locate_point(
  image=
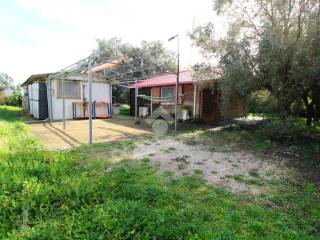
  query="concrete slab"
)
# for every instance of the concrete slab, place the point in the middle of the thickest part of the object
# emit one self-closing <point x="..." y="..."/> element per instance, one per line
<point x="53" y="137"/>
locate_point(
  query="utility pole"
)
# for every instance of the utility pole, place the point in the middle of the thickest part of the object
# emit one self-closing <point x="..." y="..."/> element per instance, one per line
<point x="142" y="72"/>
<point x="136" y="101"/>
<point x="177" y="86"/>
<point x="177" y="82"/>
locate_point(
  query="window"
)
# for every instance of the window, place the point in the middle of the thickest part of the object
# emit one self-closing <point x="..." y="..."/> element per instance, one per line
<point x="71" y="89"/>
<point x="167" y="93"/>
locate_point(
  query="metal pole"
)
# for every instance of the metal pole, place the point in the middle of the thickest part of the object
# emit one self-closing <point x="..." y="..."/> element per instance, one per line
<point x="194" y="100"/>
<point x="110" y="100"/>
<point x="48" y="98"/>
<point x="90" y="99"/>
<point x="63" y="104"/>
<point x="51" y="93"/>
<point x="136" y="101"/>
<point x="177" y="87"/>
<point x="151" y="101"/>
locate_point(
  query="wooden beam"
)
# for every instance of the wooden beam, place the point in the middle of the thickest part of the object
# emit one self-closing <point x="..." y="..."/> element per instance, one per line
<point x="106" y="66"/>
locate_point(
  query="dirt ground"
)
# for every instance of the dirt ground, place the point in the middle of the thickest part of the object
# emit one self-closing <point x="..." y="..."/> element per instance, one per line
<point x="237" y="170"/>
<point x="221" y="164"/>
<point x="53" y="137"/>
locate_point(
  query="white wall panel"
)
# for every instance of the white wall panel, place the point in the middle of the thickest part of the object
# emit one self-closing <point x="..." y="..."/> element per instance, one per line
<point x="30" y="93"/>
<point x="100" y="93"/>
<point x="35" y="91"/>
<point x="35" y="109"/>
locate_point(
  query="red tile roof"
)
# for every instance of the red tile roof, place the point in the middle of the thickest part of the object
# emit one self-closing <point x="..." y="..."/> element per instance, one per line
<point x="165" y="80"/>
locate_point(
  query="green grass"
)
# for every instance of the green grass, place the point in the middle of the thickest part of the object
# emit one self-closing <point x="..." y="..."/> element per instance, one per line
<point x="254" y="173"/>
<point x="72" y="195"/>
<point x="241" y="179"/>
<point x="9" y="113"/>
<point x="124" y="111"/>
<point x="198" y="171"/>
<point x="293" y="136"/>
<point x="181" y="166"/>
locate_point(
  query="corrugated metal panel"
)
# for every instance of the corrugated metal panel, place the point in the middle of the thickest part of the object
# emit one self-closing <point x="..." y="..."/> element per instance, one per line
<point x="30" y="98"/>
<point x="35" y="109"/>
<point x="165" y="80"/>
<point x="35" y="91"/>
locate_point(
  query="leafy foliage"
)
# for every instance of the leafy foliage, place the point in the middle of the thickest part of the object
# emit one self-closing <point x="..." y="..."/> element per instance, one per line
<point x="271" y="45"/>
<point x="150" y="56"/>
<point x="262" y="102"/>
<point x="15" y="99"/>
<point x="5" y="81"/>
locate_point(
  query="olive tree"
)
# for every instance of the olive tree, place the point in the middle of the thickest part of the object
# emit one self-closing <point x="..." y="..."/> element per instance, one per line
<point x="271" y="45"/>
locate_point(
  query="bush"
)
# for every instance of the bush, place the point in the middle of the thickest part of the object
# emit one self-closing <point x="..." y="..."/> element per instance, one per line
<point x="14" y="100"/>
<point x="2" y="98"/>
<point x="298" y="108"/>
<point x="124" y="111"/>
<point x="262" y="102"/>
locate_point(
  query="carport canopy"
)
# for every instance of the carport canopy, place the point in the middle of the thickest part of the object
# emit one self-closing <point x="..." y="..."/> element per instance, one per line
<point x="113" y="70"/>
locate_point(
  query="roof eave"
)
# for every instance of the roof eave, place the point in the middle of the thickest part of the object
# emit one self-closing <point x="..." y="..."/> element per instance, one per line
<point x="35" y="77"/>
<point x="161" y="85"/>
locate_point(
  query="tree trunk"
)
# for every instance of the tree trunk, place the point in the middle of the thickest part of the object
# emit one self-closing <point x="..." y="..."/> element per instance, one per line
<point x="316" y="98"/>
<point x="284" y="106"/>
<point x="309" y="110"/>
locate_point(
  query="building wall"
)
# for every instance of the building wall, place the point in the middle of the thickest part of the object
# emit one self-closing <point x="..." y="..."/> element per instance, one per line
<point x="210" y="107"/>
<point x="141" y="101"/>
<point x="25" y="98"/>
<point x="186" y="96"/>
<point x="236" y="108"/>
<point x="35" y="100"/>
<point x="207" y="103"/>
<point x="101" y="92"/>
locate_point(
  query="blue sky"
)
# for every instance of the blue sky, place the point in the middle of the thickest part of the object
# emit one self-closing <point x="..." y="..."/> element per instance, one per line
<point x="45" y="35"/>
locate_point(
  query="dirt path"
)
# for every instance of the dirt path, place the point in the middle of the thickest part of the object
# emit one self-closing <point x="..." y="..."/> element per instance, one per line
<point x="239" y="171"/>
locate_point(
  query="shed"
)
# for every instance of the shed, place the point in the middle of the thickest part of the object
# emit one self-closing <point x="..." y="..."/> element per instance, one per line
<point x="34" y="97"/>
<point x="45" y="97"/>
<point x="202" y="105"/>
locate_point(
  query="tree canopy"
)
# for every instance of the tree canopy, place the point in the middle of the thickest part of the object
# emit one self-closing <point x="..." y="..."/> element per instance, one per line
<point x="5" y="81"/>
<point x="152" y="56"/>
<point x="272" y="45"/>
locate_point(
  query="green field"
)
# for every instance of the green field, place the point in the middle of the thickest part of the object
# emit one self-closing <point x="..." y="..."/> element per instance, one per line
<point x="84" y="194"/>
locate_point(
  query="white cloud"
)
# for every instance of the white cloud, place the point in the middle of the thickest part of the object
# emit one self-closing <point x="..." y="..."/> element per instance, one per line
<point x="84" y="21"/>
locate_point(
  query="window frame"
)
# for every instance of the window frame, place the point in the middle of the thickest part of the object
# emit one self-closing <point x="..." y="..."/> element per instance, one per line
<point x="59" y="92"/>
<point x="173" y="96"/>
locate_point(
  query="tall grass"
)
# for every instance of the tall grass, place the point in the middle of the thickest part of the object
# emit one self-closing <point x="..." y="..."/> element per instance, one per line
<point x="72" y="195"/>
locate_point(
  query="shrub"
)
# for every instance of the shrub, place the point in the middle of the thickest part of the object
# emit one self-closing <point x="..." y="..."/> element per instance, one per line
<point x="261" y="102"/>
<point x="14" y="100"/>
<point x="124" y="111"/>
